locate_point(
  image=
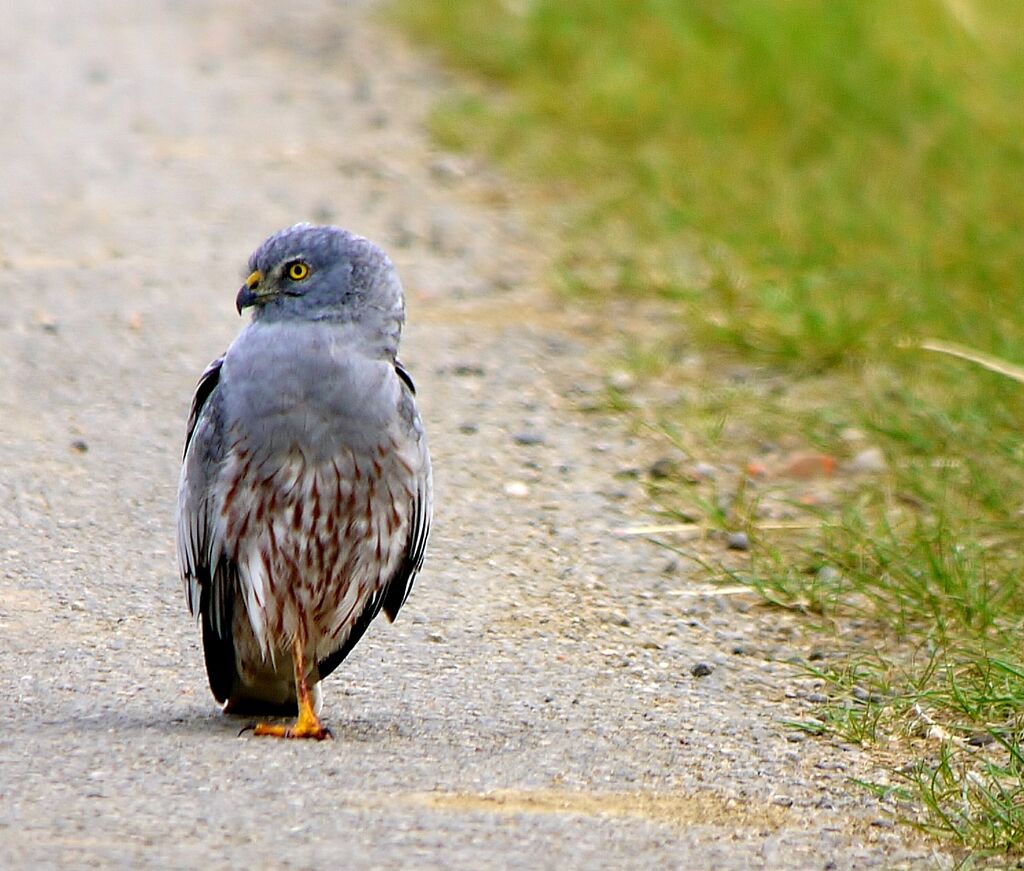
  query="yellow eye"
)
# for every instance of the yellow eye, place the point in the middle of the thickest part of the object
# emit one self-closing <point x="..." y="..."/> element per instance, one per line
<point x="298" y="270"/>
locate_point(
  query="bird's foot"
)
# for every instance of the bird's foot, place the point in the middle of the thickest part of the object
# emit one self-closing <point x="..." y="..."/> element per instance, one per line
<point x="308" y="724"/>
<point x="299" y="729"/>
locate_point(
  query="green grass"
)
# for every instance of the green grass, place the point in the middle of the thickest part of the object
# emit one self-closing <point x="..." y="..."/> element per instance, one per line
<point x="860" y="157"/>
<point x="806" y="184"/>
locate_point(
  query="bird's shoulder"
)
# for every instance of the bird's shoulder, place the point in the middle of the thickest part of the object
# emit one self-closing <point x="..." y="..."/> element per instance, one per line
<point x="204" y="390"/>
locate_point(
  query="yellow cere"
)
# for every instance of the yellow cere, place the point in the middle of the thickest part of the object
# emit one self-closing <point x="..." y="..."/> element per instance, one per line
<point x="254" y="279"/>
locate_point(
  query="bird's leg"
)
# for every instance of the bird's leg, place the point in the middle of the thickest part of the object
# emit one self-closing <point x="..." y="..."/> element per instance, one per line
<point x="307" y="725"/>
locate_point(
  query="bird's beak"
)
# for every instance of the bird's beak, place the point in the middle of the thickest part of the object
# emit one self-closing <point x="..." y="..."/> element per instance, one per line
<point x="248" y="295"/>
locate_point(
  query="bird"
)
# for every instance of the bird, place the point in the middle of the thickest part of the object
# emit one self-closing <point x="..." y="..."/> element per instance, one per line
<point x="306" y="493"/>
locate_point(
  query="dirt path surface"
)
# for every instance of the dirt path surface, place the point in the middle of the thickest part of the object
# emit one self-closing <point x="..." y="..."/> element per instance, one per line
<point x="534" y="705"/>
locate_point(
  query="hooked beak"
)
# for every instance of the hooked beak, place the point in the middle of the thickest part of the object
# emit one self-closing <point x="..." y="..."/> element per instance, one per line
<point x="248" y="295"/>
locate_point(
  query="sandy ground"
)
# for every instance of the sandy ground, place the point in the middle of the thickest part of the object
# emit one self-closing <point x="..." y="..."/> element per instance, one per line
<point x="534" y="705"/>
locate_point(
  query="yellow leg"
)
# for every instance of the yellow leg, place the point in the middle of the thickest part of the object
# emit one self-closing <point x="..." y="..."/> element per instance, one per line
<point x="307" y="725"/>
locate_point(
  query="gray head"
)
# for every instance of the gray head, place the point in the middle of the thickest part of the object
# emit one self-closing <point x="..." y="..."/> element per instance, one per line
<point x="323" y="273"/>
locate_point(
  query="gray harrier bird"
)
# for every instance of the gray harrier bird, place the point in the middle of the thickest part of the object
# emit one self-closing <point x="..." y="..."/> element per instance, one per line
<point x="305" y="497"/>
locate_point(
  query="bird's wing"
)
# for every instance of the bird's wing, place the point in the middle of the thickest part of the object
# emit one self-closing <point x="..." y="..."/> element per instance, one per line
<point x="393" y="593"/>
<point x="403" y="373"/>
<point x="210" y="577"/>
<point x="208" y="382"/>
<point x="396" y="591"/>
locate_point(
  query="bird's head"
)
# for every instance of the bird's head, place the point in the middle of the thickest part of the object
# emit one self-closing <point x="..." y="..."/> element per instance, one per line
<point x="323" y="273"/>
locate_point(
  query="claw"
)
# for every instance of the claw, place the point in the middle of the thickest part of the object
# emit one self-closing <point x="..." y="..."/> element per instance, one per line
<point x="250" y="728"/>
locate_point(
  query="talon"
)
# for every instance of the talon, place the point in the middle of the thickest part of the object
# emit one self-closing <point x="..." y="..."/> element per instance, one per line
<point x="250" y="728"/>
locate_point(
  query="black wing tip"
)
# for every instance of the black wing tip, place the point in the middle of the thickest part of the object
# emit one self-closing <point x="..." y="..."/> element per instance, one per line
<point x="218" y="646"/>
<point x="403" y="373"/>
<point x="399" y="587"/>
<point x="219" y="654"/>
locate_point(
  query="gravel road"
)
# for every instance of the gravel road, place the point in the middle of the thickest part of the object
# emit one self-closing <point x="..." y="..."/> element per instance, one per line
<point x="536" y="703"/>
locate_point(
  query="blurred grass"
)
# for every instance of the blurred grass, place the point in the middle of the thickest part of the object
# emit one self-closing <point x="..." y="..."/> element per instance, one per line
<point x="806" y="184"/>
<point x="860" y="157"/>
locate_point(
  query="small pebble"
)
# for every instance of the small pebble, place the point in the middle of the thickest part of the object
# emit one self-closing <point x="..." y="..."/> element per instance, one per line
<point x="805" y="466"/>
<point x="621" y="380"/>
<point x="663" y="467"/>
<point x="517" y="489"/>
<point x="738" y="541"/>
<point x="703" y="472"/>
<point x="817" y="698"/>
<point x="469" y="429"/>
<point x="869" y="462"/>
<point x="981" y="739"/>
<point x="449" y="169"/>
<point x="80" y="445"/>
<point x="782" y="800"/>
<point x="756" y="469"/>
<point x="702" y="669"/>
<point x="828" y="575"/>
<point x="529" y="438"/>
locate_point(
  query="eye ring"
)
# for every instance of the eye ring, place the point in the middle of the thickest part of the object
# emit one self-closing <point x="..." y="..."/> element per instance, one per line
<point x="297" y="271"/>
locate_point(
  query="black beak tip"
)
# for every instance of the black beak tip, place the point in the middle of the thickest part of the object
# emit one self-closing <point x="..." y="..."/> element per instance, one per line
<point x="244" y="299"/>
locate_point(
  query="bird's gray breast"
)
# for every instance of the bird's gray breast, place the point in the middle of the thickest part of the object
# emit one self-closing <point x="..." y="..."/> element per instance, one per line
<point x="308" y="388"/>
